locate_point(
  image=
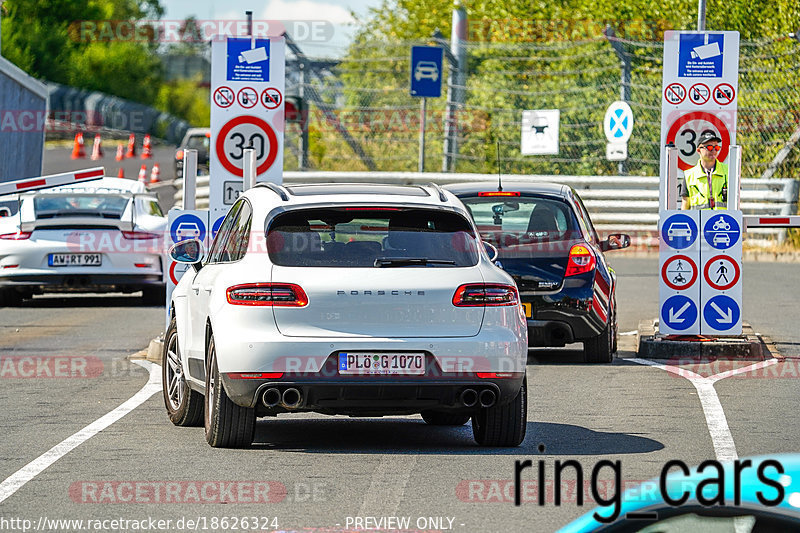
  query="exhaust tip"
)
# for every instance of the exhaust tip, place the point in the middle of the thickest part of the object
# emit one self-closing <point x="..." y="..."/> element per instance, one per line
<point x="271" y="397"/>
<point x="487" y="398"/>
<point x="292" y="398"/>
<point x="469" y="397"/>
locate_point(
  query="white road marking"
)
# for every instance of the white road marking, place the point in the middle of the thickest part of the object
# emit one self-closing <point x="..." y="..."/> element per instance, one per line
<point x="721" y="437"/>
<point x="16" y="480"/>
<point x="388" y="485"/>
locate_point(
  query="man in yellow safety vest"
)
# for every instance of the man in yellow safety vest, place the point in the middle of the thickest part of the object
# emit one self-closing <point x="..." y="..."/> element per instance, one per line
<point x="705" y="185"/>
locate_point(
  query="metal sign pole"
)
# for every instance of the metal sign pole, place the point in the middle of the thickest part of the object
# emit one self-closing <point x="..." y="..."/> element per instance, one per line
<point x="668" y="191"/>
<point x="422" y="118"/>
<point x="189" y="179"/>
<point x="249" y="169"/>
<point x="734" y="177"/>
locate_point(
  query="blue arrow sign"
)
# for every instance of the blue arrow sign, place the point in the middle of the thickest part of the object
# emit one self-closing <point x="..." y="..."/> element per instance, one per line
<point x="215" y="226"/>
<point x="187" y="226"/>
<point x="679" y="312"/>
<point x="679" y="231"/>
<point x="721" y="312"/>
<point x="426" y="71"/>
<point x="721" y="231"/>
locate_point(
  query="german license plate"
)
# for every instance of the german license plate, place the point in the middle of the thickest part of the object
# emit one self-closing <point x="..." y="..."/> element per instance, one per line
<point x="528" y="307"/>
<point x="386" y="364"/>
<point x="60" y="260"/>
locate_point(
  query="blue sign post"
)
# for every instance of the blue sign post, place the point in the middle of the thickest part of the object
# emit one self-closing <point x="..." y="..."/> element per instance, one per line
<point x="426" y="71"/>
<point x="426" y="82"/>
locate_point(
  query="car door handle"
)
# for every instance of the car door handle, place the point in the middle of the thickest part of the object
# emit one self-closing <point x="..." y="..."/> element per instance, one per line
<point x="196" y="289"/>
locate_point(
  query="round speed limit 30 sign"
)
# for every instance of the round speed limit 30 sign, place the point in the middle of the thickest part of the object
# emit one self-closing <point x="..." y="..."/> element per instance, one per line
<point x="687" y="129"/>
<point x="240" y="133"/>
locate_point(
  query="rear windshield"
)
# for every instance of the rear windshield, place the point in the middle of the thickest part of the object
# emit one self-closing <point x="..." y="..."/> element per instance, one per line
<point x="508" y="221"/>
<point x="79" y="205"/>
<point x="371" y="237"/>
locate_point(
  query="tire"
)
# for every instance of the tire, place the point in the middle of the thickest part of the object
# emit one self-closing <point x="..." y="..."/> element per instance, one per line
<point x="184" y="405"/>
<point x="435" y="418"/>
<point x="503" y="425"/>
<point x="600" y="349"/>
<point x="155" y="295"/>
<point x="227" y="425"/>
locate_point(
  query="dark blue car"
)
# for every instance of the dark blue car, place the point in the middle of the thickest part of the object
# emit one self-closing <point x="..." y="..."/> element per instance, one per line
<point x="547" y="242"/>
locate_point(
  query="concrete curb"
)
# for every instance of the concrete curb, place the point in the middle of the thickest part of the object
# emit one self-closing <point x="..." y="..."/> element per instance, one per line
<point x="749" y="345"/>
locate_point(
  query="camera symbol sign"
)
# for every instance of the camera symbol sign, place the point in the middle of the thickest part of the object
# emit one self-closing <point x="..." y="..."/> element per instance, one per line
<point x="271" y="98"/>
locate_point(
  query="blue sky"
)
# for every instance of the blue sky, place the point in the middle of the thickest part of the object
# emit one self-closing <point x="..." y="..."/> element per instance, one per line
<point x="336" y="12"/>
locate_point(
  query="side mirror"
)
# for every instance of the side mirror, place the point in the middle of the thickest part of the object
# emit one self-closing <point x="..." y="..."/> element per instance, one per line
<point x="188" y="252"/>
<point x="615" y="241"/>
<point x="491" y="250"/>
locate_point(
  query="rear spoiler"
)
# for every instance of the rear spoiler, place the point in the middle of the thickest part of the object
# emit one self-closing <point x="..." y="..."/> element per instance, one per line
<point x="77" y="223"/>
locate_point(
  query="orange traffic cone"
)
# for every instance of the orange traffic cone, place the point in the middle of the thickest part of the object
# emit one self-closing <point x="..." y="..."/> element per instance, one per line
<point x="77" y="147"/>
<point x="97" y="149"/>
<point x="131" y="146"/>
<point x="143" y="174"/>
<point x="120" y="153"/>
<point x="154" y="174"/>
<point x="121" y="173"/>
<point x="147" y="152"/>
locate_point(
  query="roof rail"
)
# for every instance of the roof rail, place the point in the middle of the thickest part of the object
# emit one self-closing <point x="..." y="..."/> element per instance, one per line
<point x="442" y="197"/>
<point x="277" y="189"/>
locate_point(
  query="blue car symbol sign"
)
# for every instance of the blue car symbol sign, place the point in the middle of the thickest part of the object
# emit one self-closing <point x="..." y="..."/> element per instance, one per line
<point x="721" y="231"/>
<point x="679" y="231"/>
<point x="187" y="226"/>
<point x="679" y="313"/>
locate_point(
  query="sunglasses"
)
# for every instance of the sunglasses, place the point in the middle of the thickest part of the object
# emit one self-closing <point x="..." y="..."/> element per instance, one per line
<point x="712" y="148"/>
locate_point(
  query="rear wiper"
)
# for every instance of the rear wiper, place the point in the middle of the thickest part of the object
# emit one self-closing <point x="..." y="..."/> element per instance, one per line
<point x="407" y="261"/>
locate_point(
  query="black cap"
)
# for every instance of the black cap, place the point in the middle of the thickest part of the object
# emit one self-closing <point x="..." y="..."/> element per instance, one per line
<point x="707" y="137"/>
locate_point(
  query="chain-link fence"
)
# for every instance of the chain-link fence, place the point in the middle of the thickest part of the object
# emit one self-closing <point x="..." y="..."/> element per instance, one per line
<point x="368" y="106"/>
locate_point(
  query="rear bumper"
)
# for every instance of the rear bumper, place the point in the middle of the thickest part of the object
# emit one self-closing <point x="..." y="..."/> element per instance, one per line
<point x="82" y="282"/>
<point x="371" y="395"/>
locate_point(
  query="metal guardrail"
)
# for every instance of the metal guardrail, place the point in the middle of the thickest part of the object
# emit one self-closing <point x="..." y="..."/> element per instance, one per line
<point x="615" y="203"/>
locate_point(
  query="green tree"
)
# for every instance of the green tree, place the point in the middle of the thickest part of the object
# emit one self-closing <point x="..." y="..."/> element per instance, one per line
<point x="44" y="38"/>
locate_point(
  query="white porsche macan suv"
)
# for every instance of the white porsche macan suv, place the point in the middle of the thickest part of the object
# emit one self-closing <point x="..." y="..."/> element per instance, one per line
<point x="350" y="299"/>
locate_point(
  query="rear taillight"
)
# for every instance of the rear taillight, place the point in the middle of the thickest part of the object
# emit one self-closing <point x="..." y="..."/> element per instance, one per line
<point x="270" y="294"/>
<point x="581" y="260"/>
<point x="254" y="375"/>
<point x="495" y="375"/>
<point x="137" y="235"/>
<point x="18" y="236"/>
<point x="179" y="155"/>
<point x="499" y="193"/>
<point x="485" y="295"/>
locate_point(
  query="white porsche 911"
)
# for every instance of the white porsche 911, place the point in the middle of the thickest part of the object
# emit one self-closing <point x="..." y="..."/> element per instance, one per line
<point x="360" y="300"/>
<point x="101" y="235"/>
